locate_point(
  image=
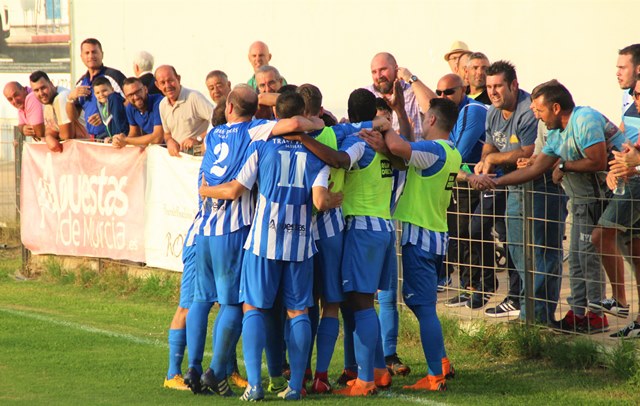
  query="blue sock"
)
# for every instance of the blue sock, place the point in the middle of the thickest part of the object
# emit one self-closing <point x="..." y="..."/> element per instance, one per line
<point x="431" y="337"/>
<point x="349" y="325"/>
<point x="177" y="343"/>
<point x="314" y="318"/>
<point x="299" y="344"/>
<point x="365" y="339"/>
<point x="197" y="332"/>
<point x="230" y="327"/>
<point x="274" y="332"/>
<point x="253" y="342"/>
<point x="232" y="361"/>
<point x="379" y="354"/>
<point x="388" y="320"/>
<point x="326" y="342"/>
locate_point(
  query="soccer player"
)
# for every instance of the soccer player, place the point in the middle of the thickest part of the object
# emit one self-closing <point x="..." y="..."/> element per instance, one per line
<point x="280" y="244"/>
<point x="433" y="166"/>
<point x="328" y="229"/>
<point x="223" y="226"/>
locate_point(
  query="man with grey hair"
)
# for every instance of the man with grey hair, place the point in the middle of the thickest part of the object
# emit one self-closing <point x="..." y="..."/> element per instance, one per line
<point x="218" y="85"/>
<point x="475" y="72"/>
<point x="268" y="79"/>
<point x="142" y="69"/>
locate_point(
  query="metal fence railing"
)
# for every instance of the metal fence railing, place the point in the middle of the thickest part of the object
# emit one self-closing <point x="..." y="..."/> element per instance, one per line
<point x="511" y="243"/>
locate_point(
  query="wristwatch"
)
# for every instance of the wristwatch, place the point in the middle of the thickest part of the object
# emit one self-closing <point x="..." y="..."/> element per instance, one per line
<point x="412" y="79"/>
<point x="561" y="166"/>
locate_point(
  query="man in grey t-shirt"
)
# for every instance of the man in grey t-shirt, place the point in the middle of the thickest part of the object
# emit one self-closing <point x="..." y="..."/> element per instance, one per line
<point x="511" y="130"/>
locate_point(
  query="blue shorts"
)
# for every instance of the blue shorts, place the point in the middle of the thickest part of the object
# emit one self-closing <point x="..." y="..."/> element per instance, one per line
<point x="420" y="272"/>
<point x="188" y="275"/>
<point x="367" y="260"/>
<point x="218" y="267"/>
<point x="326" y="268"/>
<point x="262" y="278"/>
<point x="623" y="211"/>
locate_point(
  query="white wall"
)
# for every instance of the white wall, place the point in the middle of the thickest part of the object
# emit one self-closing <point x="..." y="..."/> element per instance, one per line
<point x="330" y="42"/>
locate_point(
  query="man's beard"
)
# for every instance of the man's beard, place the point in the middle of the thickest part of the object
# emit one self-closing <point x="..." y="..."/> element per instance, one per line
<point x="383" y="87"/>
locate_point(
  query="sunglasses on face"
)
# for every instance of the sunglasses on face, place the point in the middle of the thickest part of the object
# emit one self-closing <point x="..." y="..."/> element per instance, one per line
<point x="446" y="92"/>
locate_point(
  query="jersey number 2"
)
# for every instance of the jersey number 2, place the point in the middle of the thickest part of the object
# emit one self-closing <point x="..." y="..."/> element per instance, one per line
<point x="222" y="150"/>
<point x="298" y="175"/>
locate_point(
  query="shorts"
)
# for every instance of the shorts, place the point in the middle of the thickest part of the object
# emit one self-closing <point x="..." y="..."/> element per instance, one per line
<point x="262" y="278"/>
<point x="367" y="260"/>
<point x="623" y="211"/>
<point x="188" y="275"/>
<point x="326" y="268"/>
<point x="420" y="273"/>
<point x="218" y="267"/>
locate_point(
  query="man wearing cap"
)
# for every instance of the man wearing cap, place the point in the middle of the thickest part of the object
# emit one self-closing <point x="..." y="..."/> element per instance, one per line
<point x="458" y="48"/>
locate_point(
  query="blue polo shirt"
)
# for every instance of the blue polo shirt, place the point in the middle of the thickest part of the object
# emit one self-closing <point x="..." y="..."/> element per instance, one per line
<point x="150" y="118"/>
<point x="89" y="104"/>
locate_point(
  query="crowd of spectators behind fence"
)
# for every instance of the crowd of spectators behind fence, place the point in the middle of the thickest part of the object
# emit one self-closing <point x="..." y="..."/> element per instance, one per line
<point x="506" y="136"/>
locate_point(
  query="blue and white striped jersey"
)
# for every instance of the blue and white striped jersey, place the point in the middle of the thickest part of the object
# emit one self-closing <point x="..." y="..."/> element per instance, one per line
<point x="285" y="172"/>
<point x="331" y="222"/>
<point x="361" y="156"/>
<point x="226" y="146"/>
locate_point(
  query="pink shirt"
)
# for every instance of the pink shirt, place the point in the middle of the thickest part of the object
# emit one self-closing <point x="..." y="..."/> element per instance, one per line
<point x="32" y="112"/>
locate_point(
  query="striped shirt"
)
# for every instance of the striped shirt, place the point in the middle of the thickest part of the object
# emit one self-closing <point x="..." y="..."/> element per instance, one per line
<point x="226" y="146"/>
<point x="285" y="172"/>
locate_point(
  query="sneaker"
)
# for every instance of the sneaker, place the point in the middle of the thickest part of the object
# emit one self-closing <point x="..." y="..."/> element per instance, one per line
<point x="210" y="383"/>
<point x="631" y="331"/>
<point x="458" y="301"/>
<point x="192" y="380"/>
<point x="447" y="369"/>
<point x="596" y="324"/>
<point x="277" y="384"/>
<point x="175" y="383"/>
<point x="252" y="394"/>
<point x="611" y="306"/>
<point x="346" y="376"/>
<point x="395" y="365"/>
<point x="435" y="383"/>
<point x="478" y="300"/>
<point x="382" y="378"/>
<point x="444" y="283"/>
<point x="290" y="394"/>
<point x="359" y="388"/>
<point x="571" y="323"/>
<point x="319" y="386"/>
<point x="506" y="308"/>
<point x="238" y="380"/>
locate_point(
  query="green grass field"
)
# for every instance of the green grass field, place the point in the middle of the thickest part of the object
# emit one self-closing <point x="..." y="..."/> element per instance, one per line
<point x="89" y="339"/>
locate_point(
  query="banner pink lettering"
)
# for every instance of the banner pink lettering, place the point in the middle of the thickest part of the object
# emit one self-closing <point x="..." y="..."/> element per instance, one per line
<point x="86" y="201"/>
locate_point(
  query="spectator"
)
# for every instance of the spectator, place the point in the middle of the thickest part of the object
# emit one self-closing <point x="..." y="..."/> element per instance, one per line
<point x="185" y="113"/>
<point x="58" y="126"/>
<point x="259" y="56"/>
<point x="82" y="97"/>
<point x="458" y="48"/>
<point x="143" y="68"/>
<point x="30" y="117"/>
<point x="218" y="85"/>
<point x="576" y="151"/>
<point x="111" y="109"/>
<point x="476" y="73"/>
<point x="143" y="116"/>
<point x="628" y="65"/>
<point x="384" y="71"/>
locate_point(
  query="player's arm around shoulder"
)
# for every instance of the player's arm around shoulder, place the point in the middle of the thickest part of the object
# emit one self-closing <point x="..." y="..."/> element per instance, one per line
<point x="323" y="199"/>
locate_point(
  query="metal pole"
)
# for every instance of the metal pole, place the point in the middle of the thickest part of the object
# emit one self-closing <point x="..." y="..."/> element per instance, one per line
<point x="527" y="225"/>
<point x="18" y="142"/>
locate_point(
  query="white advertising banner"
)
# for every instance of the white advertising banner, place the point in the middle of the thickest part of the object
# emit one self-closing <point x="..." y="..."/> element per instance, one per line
<point x="170" y="207"/>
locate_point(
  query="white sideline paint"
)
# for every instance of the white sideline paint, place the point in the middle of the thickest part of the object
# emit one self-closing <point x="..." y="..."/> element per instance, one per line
<point x="89" y="329"/>
<point x="412" y="399"/>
